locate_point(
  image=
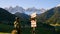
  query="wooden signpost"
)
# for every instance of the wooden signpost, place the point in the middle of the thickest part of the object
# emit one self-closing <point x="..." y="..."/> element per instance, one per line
<point x="33" y="22"/>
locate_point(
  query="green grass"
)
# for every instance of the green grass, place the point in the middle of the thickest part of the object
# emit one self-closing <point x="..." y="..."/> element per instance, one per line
<point x="39" y="30"/>
<point x="5" y="28"/>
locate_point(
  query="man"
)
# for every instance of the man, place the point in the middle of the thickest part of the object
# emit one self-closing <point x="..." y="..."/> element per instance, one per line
<point x="17" y="25"/>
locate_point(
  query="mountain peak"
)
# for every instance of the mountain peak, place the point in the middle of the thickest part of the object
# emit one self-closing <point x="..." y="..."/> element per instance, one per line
<point x="58" y="5"/>
<point x="15" y="9"/>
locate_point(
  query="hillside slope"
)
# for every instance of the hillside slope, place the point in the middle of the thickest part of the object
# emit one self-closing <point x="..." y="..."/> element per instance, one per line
<point x="50" y="16"/>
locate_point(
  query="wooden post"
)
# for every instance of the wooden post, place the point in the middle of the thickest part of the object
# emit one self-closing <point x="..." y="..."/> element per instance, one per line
<point x="33" y="30"/>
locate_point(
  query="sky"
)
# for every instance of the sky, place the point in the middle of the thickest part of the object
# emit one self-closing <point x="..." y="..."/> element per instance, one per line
<point x="46" y="4"/>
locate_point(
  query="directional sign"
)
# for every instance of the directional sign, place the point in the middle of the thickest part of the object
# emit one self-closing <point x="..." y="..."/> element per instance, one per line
<point x="33" y="15"/>
<point x="33" y="20"/>
<point x="33" y="23"/>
